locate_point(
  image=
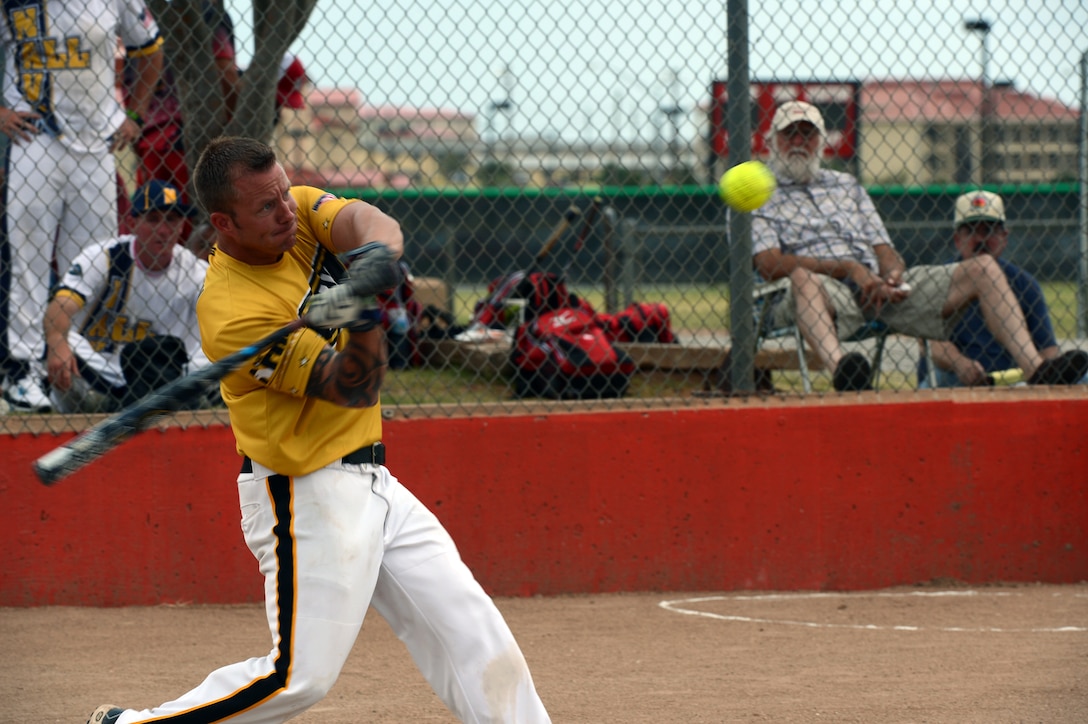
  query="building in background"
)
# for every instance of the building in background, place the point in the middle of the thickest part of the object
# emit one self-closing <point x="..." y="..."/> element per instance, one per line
<point x="908" y="132"/>
<point x="915" y="133"/>
<point x="930" y="132"/>
<point x="338" y="140"/>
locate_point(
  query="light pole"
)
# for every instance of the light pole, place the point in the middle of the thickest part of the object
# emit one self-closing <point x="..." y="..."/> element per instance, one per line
<point x="499" y="105"/>
<point x="494" y="107"/>
<point x="672" y="112"/>
<point x="983" y="27"/>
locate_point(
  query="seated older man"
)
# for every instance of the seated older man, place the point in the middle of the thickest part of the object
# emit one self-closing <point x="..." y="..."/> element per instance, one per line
<point x="821" y="230"/>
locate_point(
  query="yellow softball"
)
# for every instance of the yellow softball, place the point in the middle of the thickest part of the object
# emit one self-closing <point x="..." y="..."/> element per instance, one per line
<point x="747" y="186"/>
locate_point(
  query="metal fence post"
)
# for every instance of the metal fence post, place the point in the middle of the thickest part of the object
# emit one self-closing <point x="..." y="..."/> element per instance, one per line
<point x="1082" y="183"/>
<point x="608" y="219"/>
<point x="627" y="253"/>
<point x="741" y="283"/>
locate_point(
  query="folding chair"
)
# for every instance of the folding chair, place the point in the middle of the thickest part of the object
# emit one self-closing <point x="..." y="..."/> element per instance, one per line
<point x="764" y="297"/>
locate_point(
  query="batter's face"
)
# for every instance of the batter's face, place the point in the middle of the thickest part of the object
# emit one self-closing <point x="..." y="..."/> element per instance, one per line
<point x="262" y="224"/>
<point x="157" y="234"/>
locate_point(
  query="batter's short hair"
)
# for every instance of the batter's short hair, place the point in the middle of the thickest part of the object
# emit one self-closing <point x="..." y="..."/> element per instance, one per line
<point x="220" y="164"/>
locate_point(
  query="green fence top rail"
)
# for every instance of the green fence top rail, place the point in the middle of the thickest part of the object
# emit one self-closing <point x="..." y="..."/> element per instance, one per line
<point x="523" y="193"/>
<point x="692" y="190"/>
<point x="1063" y="187"/>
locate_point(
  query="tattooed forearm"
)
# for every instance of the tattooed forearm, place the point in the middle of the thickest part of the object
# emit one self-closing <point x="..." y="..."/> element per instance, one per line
<point x="353" y="376"/>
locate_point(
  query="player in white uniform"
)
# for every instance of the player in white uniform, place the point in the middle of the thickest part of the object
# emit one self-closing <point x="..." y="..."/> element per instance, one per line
<point x="62" y="113"/>
<point x="332" y="530"/>
<point x="123" y="319"/>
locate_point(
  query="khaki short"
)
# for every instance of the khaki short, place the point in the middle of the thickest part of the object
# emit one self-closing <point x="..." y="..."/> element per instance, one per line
<point x="919" y="315"/>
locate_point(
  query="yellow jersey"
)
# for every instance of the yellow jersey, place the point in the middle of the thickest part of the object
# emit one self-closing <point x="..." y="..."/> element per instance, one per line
<point x="274" y="422"/>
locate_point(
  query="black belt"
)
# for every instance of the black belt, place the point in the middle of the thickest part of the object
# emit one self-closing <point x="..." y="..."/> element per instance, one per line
<point x="369" y="455"/>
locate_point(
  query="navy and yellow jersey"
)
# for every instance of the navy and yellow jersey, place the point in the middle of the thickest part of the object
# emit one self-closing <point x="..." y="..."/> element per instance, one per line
<point x="274" y="422"/>
<point x="60" y="62"/>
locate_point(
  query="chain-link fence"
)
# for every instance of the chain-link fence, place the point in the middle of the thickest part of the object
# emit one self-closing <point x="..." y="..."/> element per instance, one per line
<point x="479" y="126"/>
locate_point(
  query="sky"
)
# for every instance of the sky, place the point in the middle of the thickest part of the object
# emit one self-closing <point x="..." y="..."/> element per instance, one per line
<point x="602" y="69"/>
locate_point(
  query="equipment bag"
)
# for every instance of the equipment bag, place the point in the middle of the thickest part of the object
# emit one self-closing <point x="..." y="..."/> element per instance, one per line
<point x="563" y="354"/>
<point x="640" y="322"/>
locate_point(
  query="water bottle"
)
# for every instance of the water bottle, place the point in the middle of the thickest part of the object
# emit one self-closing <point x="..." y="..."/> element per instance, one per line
<point x="398" y="321"/>
<point x="400" y="344"/>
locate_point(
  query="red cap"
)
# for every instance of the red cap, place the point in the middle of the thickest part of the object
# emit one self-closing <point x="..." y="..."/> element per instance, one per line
<point x="292" y="78"/>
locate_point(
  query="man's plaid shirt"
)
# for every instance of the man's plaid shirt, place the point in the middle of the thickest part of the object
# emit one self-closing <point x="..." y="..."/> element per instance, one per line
<point x="830" y="218"/>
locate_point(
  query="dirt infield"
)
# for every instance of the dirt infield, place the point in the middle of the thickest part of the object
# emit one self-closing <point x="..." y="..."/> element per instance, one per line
<point x="923" y="654"/>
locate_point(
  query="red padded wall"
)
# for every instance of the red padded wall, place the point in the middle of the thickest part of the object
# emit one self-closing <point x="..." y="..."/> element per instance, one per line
<point x="772" y="497"/>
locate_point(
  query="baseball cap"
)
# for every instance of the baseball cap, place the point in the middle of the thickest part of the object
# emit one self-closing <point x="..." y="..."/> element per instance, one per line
<point x="792" y="112"/>
<point x="979" y="206"/>
<point x="158" y="195"/>
<point x="289" y="87"/>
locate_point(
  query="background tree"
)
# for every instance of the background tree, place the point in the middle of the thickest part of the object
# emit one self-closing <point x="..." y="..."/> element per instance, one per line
<point x="187" y="35"/>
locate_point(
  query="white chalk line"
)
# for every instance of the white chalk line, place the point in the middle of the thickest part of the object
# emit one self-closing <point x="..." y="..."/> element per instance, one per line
<point x="677" y="606"/>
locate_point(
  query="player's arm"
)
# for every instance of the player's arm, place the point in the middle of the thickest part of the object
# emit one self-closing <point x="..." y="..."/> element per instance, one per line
<point x="148" y="74"/>
<point x="229" y="82"/>
<point x="60" y="360"/>
<point x="353" y="376"/>
<point x="360" y="223"/>
<point x="148" y="67"/>
<point x="18" y="125"/>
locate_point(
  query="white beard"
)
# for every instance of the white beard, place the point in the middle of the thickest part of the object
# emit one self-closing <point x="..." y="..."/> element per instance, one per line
<point x="797" y="165"/>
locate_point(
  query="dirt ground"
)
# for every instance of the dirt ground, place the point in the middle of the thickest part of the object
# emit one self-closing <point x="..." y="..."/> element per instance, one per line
<point x="926" y="654"/>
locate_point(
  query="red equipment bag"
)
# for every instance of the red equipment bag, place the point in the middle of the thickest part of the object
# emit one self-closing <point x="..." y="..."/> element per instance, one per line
<point x="640" y="322"/>
<point x="560" y="351"/>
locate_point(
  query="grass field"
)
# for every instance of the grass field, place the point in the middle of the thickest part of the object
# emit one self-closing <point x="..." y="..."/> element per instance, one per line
<point x="693" y="309"/>
<point x="706" y="307"/>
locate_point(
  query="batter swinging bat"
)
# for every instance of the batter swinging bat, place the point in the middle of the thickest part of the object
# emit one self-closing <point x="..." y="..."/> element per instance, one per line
<point x="96" y="441"/>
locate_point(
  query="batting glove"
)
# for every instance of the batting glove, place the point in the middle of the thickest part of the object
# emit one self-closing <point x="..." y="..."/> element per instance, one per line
<point x="341" y="307"/>
<point x="372" y="268"/>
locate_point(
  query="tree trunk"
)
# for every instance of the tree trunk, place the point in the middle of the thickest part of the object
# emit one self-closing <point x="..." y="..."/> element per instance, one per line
<point x="187" y="36"/>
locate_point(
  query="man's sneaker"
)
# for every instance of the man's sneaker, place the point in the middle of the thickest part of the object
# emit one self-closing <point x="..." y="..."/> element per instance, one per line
<point x="26" y="395"/>
<point x="853" y="373"/>
<point x="1067" y="369"/>
<point x="106" y="714"/>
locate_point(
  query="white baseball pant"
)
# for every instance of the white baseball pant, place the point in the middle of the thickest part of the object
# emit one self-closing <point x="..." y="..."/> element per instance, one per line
<point x="58" y="200"/>
<point x="329" y="544"/>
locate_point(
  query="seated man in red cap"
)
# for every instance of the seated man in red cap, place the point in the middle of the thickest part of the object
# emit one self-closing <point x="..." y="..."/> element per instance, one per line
<point x="972" y="355"/>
